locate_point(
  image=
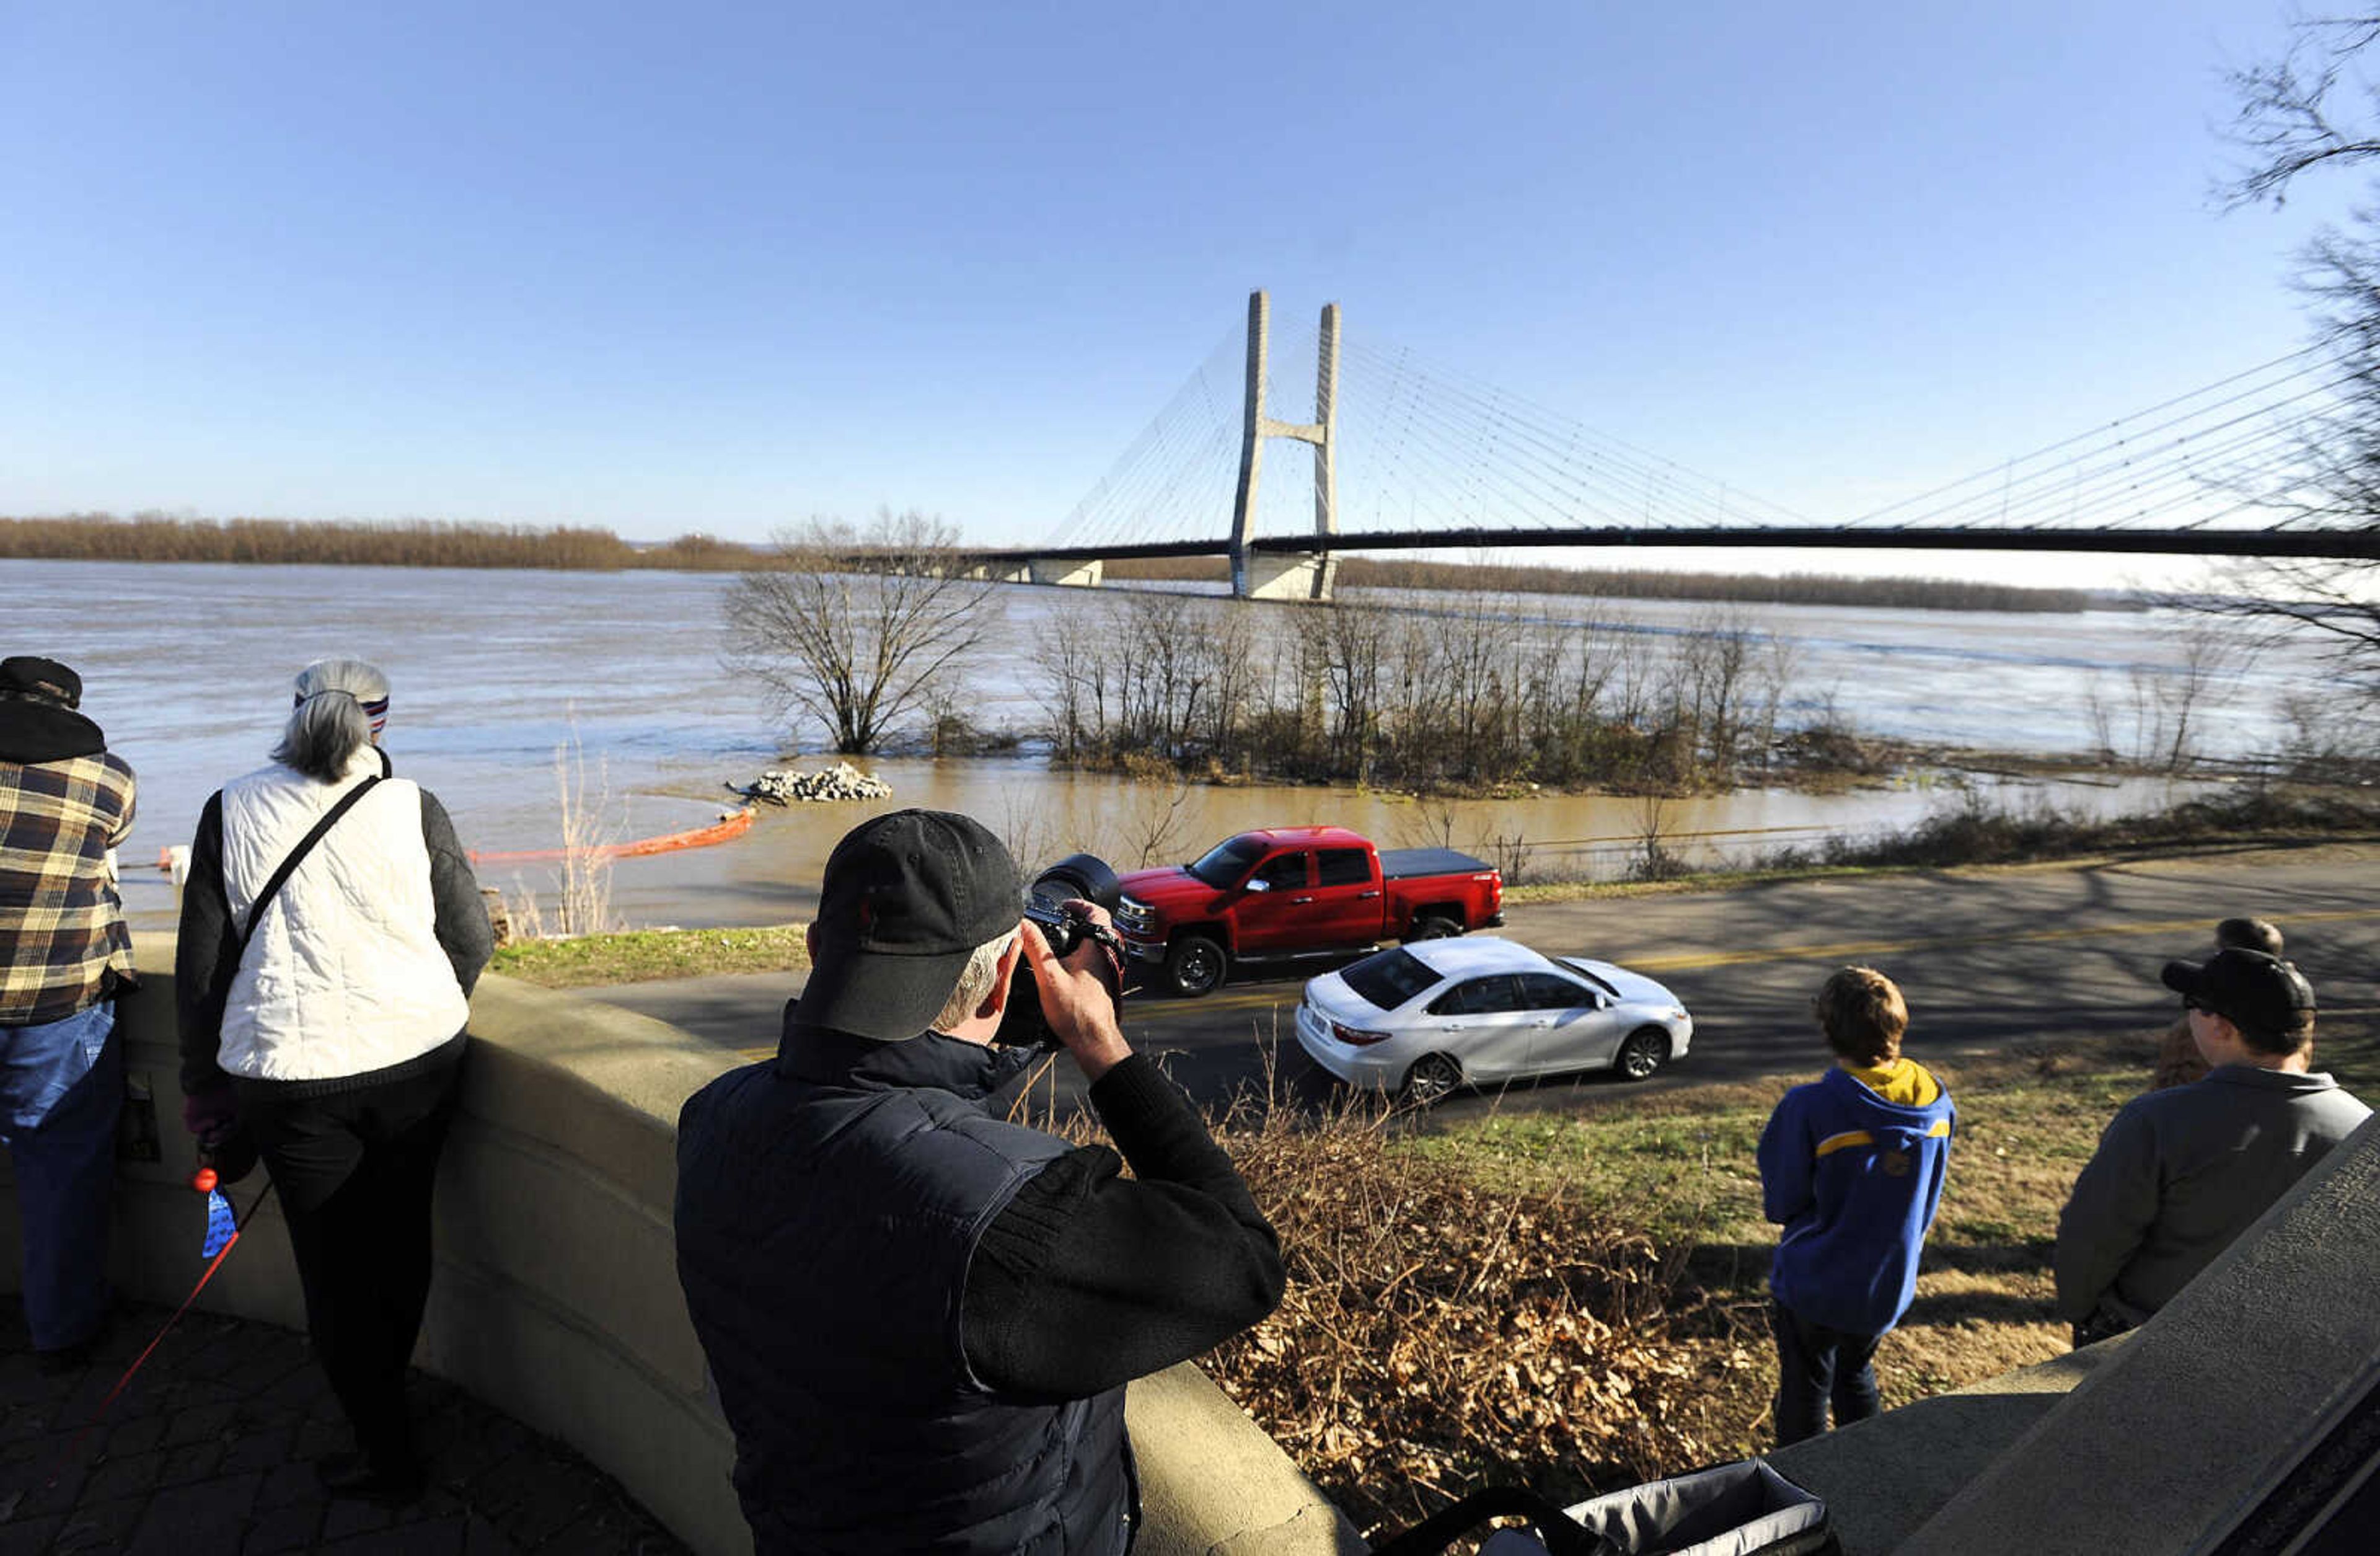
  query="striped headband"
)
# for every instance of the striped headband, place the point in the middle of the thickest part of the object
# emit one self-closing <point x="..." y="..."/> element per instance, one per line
<point x="376" y="710"/>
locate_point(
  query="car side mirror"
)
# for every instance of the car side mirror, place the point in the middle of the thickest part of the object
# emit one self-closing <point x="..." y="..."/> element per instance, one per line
<point x="1257" y="883"/>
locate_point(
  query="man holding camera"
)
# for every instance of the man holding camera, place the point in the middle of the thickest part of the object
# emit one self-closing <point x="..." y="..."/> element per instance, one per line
<point x="921" y="1318"/>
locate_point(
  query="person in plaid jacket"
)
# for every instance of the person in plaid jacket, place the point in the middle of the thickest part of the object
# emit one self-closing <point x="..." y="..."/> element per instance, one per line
<point x="66" y="803"/>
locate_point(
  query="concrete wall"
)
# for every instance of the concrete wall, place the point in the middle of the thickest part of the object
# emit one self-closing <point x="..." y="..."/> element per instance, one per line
<point x="556" y="1297"/>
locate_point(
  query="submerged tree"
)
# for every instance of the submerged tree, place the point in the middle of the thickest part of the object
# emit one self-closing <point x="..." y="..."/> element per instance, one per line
<point x="857" y="629"/>
<point x="2316" y="110"/>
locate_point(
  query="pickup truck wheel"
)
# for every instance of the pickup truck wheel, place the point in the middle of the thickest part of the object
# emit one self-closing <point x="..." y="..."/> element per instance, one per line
<point x="1434" y="926"/>
<point x="1433" y="1075"/>
<point x="1643" y="1051"/>
<point x="1194" y="966"/>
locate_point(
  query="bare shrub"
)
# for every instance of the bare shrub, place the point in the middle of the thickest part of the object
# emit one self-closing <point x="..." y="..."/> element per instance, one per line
<point x="1511" y="855"/>
<point x="1431" y="824"/>
<point x="1025" y="832"/>
<point x="584" y="904"/>
<point x="1153" y="828"/>
<point x="521" y="910"/>
<point x="1653" y="859"/>
<point x="1436" y="1333"/>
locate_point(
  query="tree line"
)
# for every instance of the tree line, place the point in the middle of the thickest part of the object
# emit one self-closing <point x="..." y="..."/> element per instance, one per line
<point x="411" y="544"/>
<point x="438" y="543"/>
<point x="1777" y="589"/>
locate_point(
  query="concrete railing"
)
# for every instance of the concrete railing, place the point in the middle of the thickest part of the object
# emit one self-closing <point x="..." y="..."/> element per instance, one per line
<point x="556" y="1297"/>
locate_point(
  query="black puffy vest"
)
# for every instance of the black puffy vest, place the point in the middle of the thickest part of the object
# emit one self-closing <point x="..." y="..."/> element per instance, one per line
<point x="828" y="1205"/>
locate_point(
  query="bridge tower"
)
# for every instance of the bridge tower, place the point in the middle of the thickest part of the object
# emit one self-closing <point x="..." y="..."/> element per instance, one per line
<point x="1288" y="575"/>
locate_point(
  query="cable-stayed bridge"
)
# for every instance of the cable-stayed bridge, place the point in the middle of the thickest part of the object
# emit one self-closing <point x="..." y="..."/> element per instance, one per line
<point x="1408" y="456"/>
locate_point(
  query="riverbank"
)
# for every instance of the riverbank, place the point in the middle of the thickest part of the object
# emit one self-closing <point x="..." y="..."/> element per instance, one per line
<point x="1970" y="837"/>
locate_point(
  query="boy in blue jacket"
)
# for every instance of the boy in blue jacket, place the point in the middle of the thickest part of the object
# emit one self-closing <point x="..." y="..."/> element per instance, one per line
<point x="1851" y="1166"/>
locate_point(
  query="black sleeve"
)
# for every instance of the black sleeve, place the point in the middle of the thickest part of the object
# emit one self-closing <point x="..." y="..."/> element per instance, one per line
<point x="1088" y="1279"/>
<point x="205" y="955"/>
<point x="462" y="927"/>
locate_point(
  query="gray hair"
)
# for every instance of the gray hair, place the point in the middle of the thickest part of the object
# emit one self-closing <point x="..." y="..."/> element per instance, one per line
<point x="341" y="705"/>
<point x="975" y="982"/>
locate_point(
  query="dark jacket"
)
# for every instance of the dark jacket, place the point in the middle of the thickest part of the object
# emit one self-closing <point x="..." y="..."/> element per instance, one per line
<point x="828" y="1207"/>
<point x="2179" y="1174"/>
<point x="920" y="1317"/>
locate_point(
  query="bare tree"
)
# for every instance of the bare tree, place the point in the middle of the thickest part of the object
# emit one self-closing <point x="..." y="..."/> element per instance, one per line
<point x="856" y="629"/>
<point x="2209" y="657"/>
<point x="2316" y="110"/>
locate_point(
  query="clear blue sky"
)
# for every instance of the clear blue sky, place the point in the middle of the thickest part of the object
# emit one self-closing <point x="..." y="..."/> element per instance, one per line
<point x="723" y="266"/>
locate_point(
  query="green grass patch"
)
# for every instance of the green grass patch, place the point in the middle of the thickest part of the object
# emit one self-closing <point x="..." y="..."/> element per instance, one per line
<point x="643" y="955"/>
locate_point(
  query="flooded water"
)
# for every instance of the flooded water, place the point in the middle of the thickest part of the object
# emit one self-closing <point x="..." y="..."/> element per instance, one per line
<point x="188" y="669"/>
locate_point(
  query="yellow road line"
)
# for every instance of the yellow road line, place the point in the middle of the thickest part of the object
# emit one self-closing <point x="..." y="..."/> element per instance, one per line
<point x="1849" y="949"/>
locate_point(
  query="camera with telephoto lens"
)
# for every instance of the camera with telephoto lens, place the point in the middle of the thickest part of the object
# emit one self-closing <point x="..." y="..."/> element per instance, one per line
<point x="1077" y="877"/>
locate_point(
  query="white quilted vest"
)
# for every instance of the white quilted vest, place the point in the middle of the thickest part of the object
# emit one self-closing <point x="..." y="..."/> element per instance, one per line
<point x="345" y="974"/>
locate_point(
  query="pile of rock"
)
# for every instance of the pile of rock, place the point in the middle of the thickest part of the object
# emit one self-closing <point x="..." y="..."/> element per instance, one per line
<point x="843" y="781"/>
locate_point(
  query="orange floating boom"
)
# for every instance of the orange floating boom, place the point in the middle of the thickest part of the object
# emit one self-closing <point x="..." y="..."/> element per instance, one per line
<point x="734" y="824"/>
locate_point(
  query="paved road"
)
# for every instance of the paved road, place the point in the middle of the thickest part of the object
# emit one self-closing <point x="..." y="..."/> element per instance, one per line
<point x="1987" y="959"/>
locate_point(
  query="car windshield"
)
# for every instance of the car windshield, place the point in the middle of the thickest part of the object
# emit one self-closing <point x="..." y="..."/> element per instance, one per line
<point x="1575" y="965"/>
<point x="1389" y="978"/>
<point x="1224" y="863"/>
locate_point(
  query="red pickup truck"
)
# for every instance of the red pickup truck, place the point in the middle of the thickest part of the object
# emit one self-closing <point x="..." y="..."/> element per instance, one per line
<point x="1297" y="892"/>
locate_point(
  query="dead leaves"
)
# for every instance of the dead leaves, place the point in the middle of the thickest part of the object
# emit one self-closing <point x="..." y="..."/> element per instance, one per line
<point x="1438" y="1335"/>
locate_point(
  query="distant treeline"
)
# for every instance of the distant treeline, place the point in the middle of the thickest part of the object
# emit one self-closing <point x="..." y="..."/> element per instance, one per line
<point x="433" y="544"/>
<point x="414" y="543"/>
<point x="1788" y="588"/>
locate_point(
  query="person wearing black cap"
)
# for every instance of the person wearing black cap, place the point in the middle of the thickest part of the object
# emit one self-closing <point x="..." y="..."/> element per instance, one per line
<point x="66" y="803"/>
<point x="920" y="1317"/>
<point x="2180" y="1173"/>
<point x="2179" y="1063"/>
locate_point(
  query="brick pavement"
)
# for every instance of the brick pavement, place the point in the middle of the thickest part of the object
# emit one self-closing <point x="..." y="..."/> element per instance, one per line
<point x="210" y="1450"/>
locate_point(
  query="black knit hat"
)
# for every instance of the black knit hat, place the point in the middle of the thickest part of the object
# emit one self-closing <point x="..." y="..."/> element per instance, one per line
<point x="2256" y="992"/>
<point x="30" y="675"/>
<point x="906" y="899"/>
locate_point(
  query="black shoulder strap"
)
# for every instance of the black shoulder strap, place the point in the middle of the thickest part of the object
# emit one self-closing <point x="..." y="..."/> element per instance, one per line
<point x="305" y="846"/>
<point x="1563" y="1537"/>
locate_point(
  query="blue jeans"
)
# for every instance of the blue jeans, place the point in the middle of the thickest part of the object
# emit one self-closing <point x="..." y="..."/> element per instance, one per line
<point x="61" y="1087"/>
<point x="1815" y="1364"/>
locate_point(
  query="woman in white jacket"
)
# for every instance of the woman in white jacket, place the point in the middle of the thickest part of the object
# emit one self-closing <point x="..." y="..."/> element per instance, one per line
<point x="326" y="1019"/>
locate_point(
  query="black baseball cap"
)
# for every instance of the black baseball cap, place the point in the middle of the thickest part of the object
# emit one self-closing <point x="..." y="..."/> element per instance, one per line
<point x="906" y="899"/>
<point x="2255" y="991"/>
<point x="32" y="675"/>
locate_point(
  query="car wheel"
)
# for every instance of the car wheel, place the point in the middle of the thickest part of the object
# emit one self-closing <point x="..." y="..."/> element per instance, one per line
<point x="1434" y="926"/>
<point x="1643" y="1051"/>
<point x="1433" y="1075"/>
<point x="1194" y="966"/>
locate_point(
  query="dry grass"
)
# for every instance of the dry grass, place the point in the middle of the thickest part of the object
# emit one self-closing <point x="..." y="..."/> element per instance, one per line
<point x="1577" y="1301"/>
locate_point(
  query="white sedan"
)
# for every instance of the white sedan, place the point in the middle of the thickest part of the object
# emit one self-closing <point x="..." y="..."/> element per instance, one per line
<point x="1425" y="1019"/>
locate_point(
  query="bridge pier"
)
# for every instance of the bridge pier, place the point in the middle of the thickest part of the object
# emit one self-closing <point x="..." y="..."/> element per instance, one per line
<point x="1067" y="572"/>
<point x="1255" y="575"/>
<point x="1273" y="575"/>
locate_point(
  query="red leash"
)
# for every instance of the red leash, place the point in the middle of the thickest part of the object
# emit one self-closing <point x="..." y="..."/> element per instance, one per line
<point x="100" y="1414"/>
